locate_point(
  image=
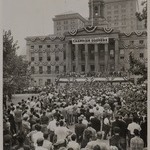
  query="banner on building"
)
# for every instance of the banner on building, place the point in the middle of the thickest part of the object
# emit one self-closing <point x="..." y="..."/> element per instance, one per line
<point x="97" y="40"/>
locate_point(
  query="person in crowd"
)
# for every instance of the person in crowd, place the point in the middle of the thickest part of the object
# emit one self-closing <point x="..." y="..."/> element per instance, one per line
<point x="143" y="133"/>
<point x="21" y="144"/>
<point x="73" y="144"/>
<point x="115" y="140"/>
<point x="39" y="144"/>
<point x="98" y="141"/>
<point x="131" y="127"/>
<point x="46" y="143"/>
<point x="136" y="142"/>
<point x="79" y="129"/>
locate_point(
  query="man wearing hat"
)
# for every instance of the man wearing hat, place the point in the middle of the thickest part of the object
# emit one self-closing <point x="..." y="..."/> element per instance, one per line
<point x="79" y="129"/>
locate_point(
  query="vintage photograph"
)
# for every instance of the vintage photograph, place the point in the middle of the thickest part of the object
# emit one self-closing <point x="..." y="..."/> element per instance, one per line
<point x="75" y="74"/>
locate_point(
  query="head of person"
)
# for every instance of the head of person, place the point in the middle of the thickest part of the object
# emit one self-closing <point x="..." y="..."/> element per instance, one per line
<point x="116" y="130"/>
<point x="99" y="135"/>
<point x="73" y="137"/>
<point x="96" y="147"/>
<point x="45" y="136"/>
<point x="136" y="132"/>
<point x="20" y="139"/>
<point x="38" y="127"/>
<point x="61" y="123"/>
<point x="40" y="141"/>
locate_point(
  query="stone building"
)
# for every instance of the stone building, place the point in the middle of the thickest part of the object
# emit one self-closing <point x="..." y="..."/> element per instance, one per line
<point x="96" y="48"/>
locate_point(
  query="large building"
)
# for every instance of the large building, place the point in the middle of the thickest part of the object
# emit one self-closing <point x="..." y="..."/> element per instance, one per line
<point x="68" y="21"/>
<point x="96" y="48"/>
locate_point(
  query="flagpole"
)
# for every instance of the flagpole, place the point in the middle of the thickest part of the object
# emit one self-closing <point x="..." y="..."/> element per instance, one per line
<point x="92" y="12"/>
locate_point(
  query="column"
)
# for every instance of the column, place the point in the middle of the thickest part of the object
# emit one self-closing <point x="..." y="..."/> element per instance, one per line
<point x="77" y="57"/>
<point x="116" y="54"/>
<point x="86" y="59"/>
<point x="45" y="60"/>
<point x="28" y="52"/>
<point x="106" y="56"/>
<point x="68" y="57"/>
<point x="96" y="58"/>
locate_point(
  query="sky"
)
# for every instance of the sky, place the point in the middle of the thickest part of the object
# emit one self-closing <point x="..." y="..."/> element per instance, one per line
<point x="34" y="17"/>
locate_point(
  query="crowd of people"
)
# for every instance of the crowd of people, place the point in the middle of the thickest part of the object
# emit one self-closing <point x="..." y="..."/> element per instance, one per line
<point x="79" y="116"/>
<point x="94" y="74"/>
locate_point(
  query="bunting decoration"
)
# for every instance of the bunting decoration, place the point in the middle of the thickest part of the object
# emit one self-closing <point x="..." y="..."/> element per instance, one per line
<point x="53" y="63"/>
<point x="90" y="29"/>
<point x="36" y="50"/>
<point x="37" y="63"/>
<point x="33" y="39"/>
<point x="61" y="38"/>
<point x="138" y="33"/>
<point x="42" y="38"/>
<point x="52" y="38"/>
<point x="73" y="32"/>
<point x="107" y="30"/>
<point x="127" y="34"/>
<point x="44" y="63"/>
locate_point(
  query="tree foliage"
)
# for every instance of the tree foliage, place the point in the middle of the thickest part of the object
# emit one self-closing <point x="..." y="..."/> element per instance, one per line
<point x="15" y="69"/>
<point x="138" y="68"/>
<point x="143" y="15"/>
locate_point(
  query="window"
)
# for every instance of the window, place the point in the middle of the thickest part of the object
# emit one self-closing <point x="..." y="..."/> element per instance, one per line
<point x="64" y="54"/>
<point x="58" y="23"/>
<point x="56" y="46"/>
<point x="40" y="82"/>
<point x="64" y="68"/>
<point x="83" y="68"/>
<point x="40" y="46"/>
<point x="121" y="57"/>
<point x="48" y="81"/>
<point x="48" y="46"/>
<point x="116" y="7"/>
<point x="121" y="52"/>
<point x="141" y="55"/>
<point x="96" y="11"/>
<point x="32" y="56"/>
<point x="111" y="54"/>
<point x="141" y="42"/>
<point x="132" y="42"/>
<point x="74" y="68"/>
<point x="32" y="70"/>
<point x="48" y="69"/>
<point x="40" y="56"/>
<point x="92" y="68"/>
<point x="56" y="56"/>
<point x="48" y="56"/>
<point x="65" y="27"/>
<point x="66" y="22"/>
<point x="109" y="18"/>
<point x="32" y="47"/>
<point x="56" y="69"/>
<point x="40" y="69"/>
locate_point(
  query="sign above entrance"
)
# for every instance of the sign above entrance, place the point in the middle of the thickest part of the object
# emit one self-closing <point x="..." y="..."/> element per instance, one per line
<point x="97" y="40"/>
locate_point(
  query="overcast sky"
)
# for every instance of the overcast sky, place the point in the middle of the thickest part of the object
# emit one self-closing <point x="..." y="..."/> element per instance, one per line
<point x="34" y="17"/>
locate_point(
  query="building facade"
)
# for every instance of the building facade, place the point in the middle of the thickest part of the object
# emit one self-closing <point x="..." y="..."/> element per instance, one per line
<point x="67" y="22"/>
<point x="96" y="48"/>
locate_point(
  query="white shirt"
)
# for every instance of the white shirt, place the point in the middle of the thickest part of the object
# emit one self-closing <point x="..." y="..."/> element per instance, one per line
<point x="40" y="148"/>
<point x="133" y="126"/>
<point x="52" y="125"/>
<point x="61" y="133"/>
<point x="47" y="144"/>
<point x="74" y="145"/>
<point x="36" y="136"/>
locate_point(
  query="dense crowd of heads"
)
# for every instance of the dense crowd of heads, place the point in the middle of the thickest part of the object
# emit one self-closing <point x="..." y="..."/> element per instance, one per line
<point x="78" y="116"/>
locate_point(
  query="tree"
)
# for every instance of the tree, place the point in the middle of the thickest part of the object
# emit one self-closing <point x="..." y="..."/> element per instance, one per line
<point x="143" y="15"/>
<point x="15" y="70"/>
<point x="137" y="68"/>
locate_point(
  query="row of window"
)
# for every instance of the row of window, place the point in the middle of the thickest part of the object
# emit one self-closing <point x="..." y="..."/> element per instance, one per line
<point x="65" y="22"/>
<point x="48" y="56"/>
<point x="48" y="69"/>
<point x="48" y="46"/>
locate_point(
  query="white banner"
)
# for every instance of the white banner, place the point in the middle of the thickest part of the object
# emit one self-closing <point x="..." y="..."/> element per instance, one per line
<point x="102" y="40"/>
